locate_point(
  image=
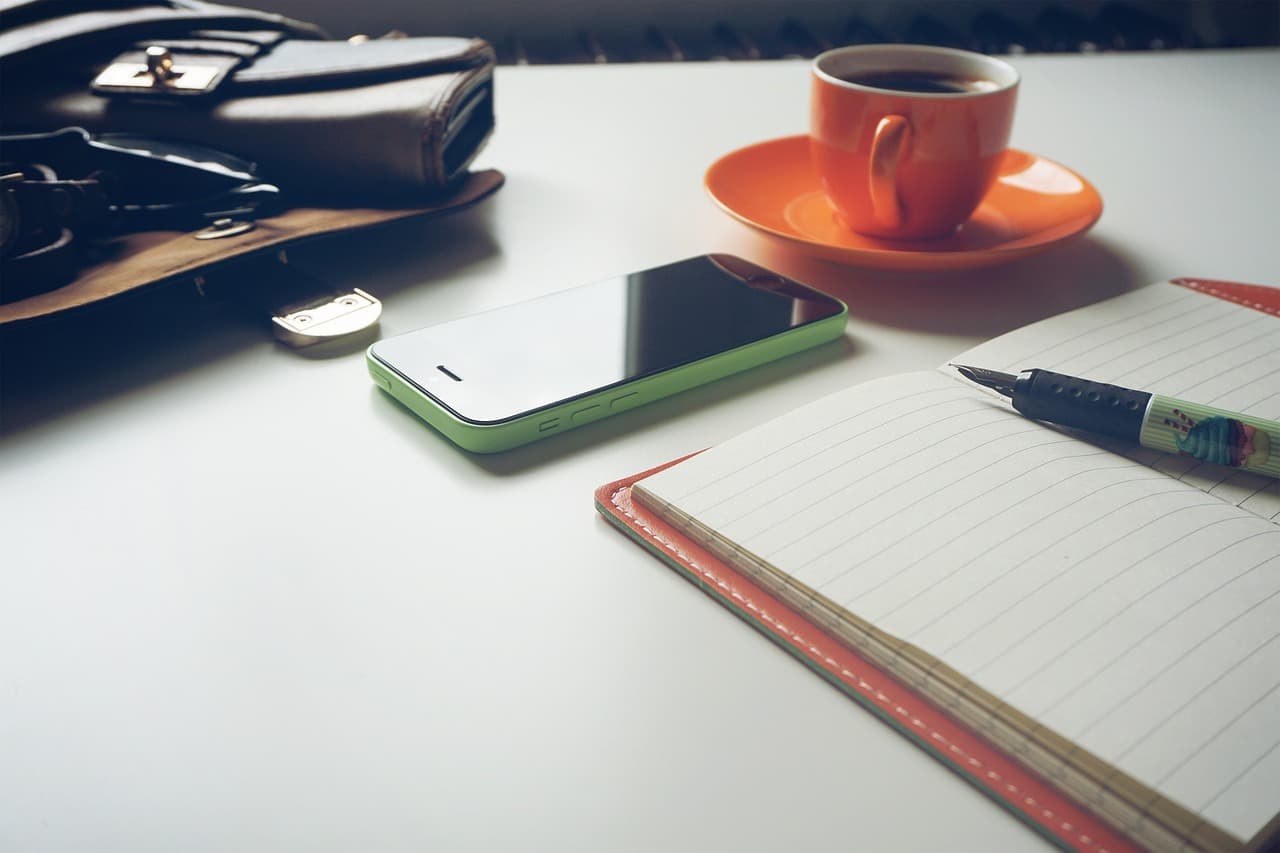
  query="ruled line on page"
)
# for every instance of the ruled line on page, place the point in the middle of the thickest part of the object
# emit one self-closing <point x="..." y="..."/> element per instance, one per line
<point x="969" y="409"/>
<point x="1269" y="403"/>
<point x="1202" y="348"/>
<point x="1146" y="737"/>
<point x="1018" y="642"/>
<point x="801" y="440"/>
<point x="1143" y="309"/>
<point x="963" y="492"/>
<point x="1173" y="329"/>
<point x="1157" y="823"/>
<point x="1243" y="484"/>
<point x="1105" y="670"/>
<point x="1122" y="648"/>
<point x="804" y="534"/>
<point x="1132" y="673"/>
<point x="937" y="485"/>
<point x="1153" y="348"/>
<point x="1252" y="358"/>
<point x="1103" y="714"/>
<point x="975" y="496"/>
<point x="1225" y="727"/>
<point x="1267" y="757"/>
<point x="946" y="543"/>
<point x="1260" y="341"/>
<point x="951" y="616"/>
<point x="1234" y="391"/>
<point x="1194" y="742"/>
<point x="1070" y="641"/>
<point x="977" y="539"/>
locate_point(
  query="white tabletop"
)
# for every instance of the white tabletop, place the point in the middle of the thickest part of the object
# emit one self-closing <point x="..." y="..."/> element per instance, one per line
<point x="249" y="603"/>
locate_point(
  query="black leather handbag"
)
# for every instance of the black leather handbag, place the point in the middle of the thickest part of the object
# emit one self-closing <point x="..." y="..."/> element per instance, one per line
<point x="144" y="142"/>
<point x="321" y="118"/>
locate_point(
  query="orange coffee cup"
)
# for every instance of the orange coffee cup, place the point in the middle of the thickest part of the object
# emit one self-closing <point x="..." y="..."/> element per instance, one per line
<point x="907" y="139"/>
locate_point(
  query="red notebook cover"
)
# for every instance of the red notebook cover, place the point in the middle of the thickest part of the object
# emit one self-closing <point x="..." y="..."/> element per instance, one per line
<point x="988" y="768"/>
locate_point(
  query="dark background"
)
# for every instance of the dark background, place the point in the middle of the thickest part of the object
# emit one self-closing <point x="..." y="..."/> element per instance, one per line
<point x="567" y="31"/>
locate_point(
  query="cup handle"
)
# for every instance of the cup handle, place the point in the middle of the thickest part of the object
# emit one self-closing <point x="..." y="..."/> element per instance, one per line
<point x="888" y="147"/>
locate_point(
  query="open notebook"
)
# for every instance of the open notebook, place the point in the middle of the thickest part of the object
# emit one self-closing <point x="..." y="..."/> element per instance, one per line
<point x="1105" y="616"/>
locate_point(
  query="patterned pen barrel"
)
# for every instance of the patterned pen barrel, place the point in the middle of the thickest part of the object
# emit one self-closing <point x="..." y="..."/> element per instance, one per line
<point x="1161" y="423"/>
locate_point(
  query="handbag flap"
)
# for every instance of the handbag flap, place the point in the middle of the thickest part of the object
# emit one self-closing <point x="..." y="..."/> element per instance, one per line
<point x="222" y="65"/>
<point x="313" y="64"/>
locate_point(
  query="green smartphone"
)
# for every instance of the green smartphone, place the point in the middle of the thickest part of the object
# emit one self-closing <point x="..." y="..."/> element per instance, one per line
<point x="510" y="376"/>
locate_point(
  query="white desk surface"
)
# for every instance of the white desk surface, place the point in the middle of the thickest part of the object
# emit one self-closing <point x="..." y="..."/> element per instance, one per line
<point x="249" y="603"/>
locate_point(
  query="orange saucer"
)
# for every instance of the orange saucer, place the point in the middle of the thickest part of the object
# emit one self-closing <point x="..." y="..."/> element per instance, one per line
<point x="1035" y="204"/>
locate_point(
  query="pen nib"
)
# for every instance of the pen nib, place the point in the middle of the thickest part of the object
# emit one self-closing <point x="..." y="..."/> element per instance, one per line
<point x="993" y="379"/>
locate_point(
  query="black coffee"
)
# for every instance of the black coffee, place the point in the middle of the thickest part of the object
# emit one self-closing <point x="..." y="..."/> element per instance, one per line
<point x="926" y="82"/>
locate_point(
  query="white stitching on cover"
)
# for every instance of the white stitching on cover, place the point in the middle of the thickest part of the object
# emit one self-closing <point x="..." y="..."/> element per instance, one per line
<point x="851" y="677"/>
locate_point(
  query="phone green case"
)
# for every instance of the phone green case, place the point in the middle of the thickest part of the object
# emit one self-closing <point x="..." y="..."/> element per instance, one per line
<point x="577" y="411"/>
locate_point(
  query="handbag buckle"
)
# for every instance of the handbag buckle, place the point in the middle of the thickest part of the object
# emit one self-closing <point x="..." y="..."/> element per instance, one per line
<point x="158" y="72"/>
<point x="325" y="317"/>
<point x="304" y="311"/>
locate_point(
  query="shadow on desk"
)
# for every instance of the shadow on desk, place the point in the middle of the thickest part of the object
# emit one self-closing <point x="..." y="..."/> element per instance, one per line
<point x="52" y="368"/>
<point x="982" y="302"/>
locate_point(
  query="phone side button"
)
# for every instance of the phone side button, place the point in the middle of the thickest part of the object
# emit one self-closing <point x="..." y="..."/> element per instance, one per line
<point x="380" y="379"/>
<point x="548" y="425"/>
<point x="583" y="415"/>
<point x="625" y="400"/>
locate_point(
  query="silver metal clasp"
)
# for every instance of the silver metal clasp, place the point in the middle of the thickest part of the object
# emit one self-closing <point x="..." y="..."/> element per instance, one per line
<point x="326" y="318"/>
<point x="223" y="227"/>
<point x="319" y="316"/>
<point x="158" y="71"/>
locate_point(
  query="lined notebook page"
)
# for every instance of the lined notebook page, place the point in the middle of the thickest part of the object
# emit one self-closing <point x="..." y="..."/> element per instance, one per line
<point x="1121" y="607"/>
<point x="1172" y="341"/>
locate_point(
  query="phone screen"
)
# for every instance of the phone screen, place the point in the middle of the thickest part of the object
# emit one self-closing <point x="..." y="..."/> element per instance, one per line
<point x="504" y="363"/>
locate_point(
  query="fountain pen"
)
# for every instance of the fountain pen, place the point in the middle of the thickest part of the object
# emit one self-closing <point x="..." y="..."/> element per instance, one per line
<point x="1151" y="420"/>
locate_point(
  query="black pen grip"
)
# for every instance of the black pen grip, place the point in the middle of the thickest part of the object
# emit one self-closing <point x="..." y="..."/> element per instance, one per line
<point x="1071" y="401"/>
